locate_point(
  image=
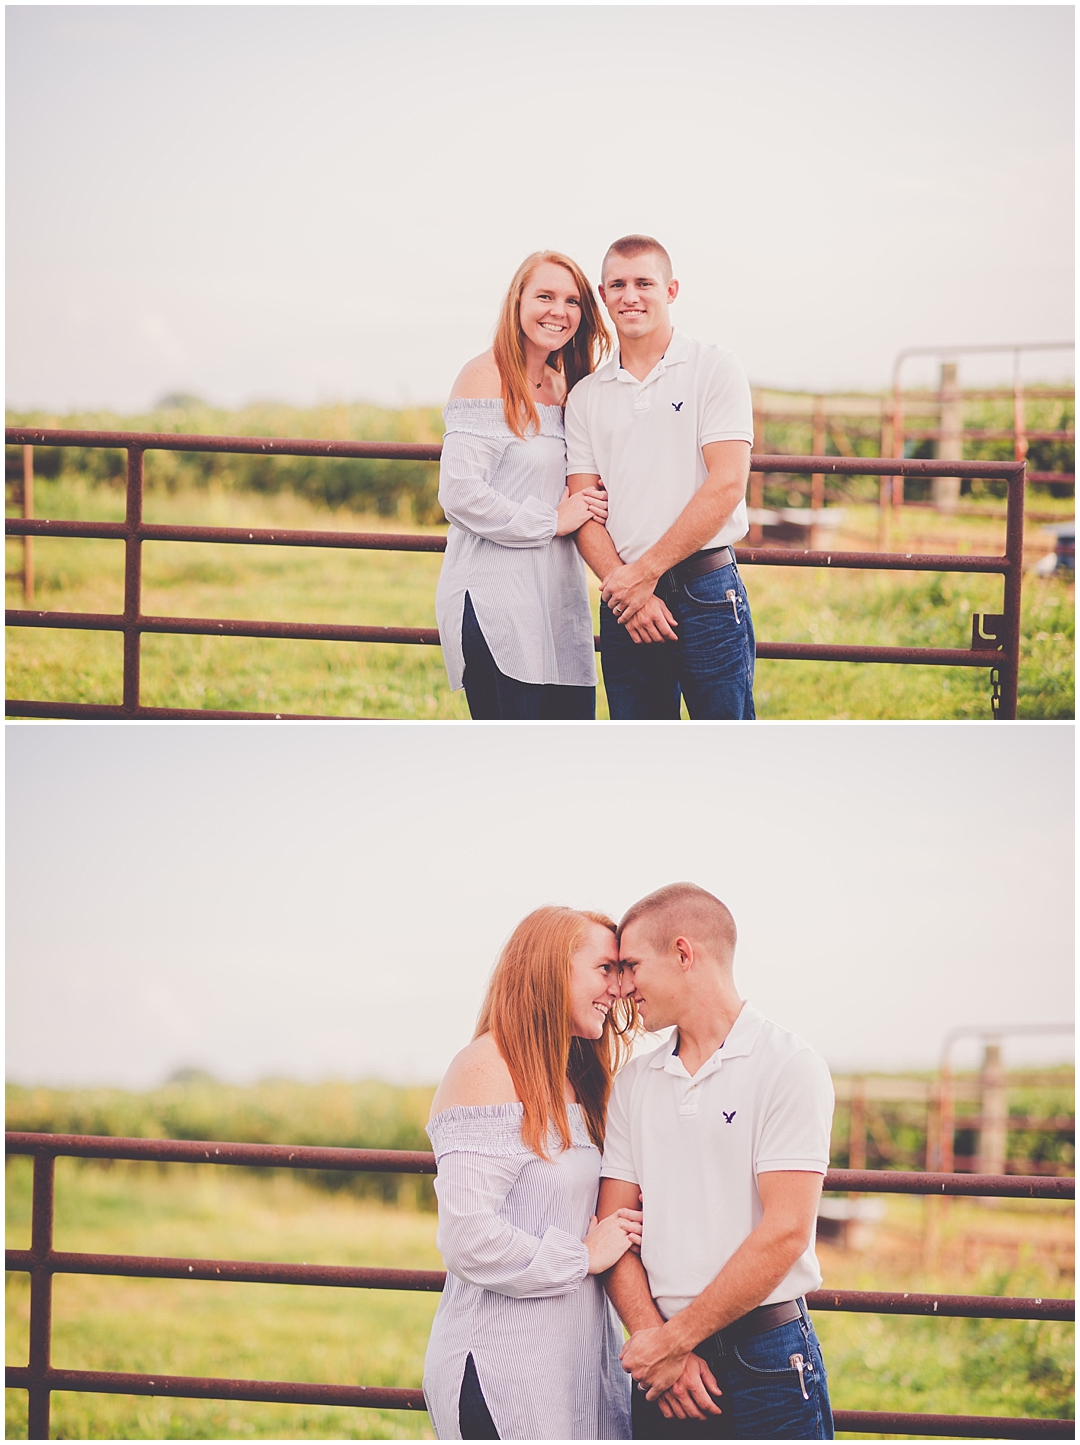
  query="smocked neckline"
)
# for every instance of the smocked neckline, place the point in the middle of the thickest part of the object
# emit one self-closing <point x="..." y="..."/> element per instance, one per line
<point x="493" y="1111"/>
<point x="497" y="401"/>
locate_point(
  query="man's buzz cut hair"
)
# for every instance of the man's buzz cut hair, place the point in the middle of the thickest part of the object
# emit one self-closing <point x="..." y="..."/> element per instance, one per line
<point x="687" y="911"/>
<point x="630" y="246"/>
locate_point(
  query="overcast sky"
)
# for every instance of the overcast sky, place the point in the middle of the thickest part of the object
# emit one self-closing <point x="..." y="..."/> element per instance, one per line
<point x="319" y="203"/>
<point x="324" y="900"/>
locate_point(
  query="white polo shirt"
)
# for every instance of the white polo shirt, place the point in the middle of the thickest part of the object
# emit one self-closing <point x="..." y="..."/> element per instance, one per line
<point x="644" y="438"/>
<point x="695" y="1147"/>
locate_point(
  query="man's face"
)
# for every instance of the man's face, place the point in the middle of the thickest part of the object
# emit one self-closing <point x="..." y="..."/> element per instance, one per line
<point x="652" y="976"/>
<point x="637" y="293"/>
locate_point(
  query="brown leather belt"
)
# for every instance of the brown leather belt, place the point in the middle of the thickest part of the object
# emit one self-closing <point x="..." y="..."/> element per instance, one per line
<point x="701" y="563"/>
<point x="765" y="1317"/>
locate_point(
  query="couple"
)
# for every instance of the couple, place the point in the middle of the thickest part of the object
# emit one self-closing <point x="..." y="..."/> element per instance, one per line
<point x="639" y="468"/>
<point x="713" y="1150"/>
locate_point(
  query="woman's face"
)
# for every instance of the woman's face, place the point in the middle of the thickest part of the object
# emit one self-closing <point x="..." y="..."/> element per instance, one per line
<point x="550" y="310"/>
<point x="594" y="982"/>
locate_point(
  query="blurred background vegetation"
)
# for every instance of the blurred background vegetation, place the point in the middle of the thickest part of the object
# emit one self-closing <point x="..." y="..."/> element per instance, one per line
<point x="404" y="490"/>
<point x="395" y="589"/>
<point x="376" y="1115"/>
<point x="377" y="1337"/>
<point x="409" y="490"/>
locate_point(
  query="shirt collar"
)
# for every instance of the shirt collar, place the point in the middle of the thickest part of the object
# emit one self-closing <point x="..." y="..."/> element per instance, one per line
<point x="677" y="351"/>
<point x="738" y="1044"/>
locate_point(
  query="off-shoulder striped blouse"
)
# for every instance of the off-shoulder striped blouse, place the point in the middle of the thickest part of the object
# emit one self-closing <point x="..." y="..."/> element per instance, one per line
<point x="518" y="1297"/>
<point x="528" y="587"/>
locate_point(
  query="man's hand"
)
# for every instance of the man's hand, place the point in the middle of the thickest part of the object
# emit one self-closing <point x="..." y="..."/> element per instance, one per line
<point x="690" y="1398"/>
<point x="652" y="623"/>
<point x="627" y="588"/>
<point x="652" y="1357"/>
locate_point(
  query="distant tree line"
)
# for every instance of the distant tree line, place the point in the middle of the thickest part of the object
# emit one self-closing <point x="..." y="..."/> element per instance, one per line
<point x="408" y="490"/>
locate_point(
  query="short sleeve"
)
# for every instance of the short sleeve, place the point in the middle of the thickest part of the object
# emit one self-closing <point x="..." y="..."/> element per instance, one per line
<point x="618" y="1162"/>
<point x="727" y="411"/>
<point x="797" y="1125"/>
<point x="579" y="450"/>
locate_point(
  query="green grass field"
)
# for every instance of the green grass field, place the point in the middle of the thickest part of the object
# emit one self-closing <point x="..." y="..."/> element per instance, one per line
<point x="378" y="1338"/>
<point x="397" y="589"/>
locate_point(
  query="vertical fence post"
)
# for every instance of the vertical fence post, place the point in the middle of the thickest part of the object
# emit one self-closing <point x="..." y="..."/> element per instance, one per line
<point x="931" y="1203"/>
<point x="28" y="511"/>
<point x="757" y="482"/>
<point x="993" y="1111"/>
<point x="945" y="491"/>
<point x="885" y="449"/>
<point x="817" y="480"/>
<point x="948" y="1119"/>
<point x="897" y="440"/>
<point x="857" y="1128"/>
<point x="133" y="578"/>
<point x="1020" y="441"/>
<point x="1014" y="587"/>
<point x="41" y="1297"/>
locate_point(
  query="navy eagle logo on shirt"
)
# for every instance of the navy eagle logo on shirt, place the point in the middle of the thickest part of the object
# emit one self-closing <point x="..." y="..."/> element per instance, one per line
<point x="677" y="405"/>
<point x="728" y="1117"/>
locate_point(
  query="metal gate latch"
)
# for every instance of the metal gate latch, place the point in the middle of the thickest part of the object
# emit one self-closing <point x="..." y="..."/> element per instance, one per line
<point x="987" y="631"/>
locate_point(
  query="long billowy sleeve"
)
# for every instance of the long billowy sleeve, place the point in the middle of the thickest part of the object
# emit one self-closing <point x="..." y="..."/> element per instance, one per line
<point x="481" y="1248"/>
<point x="473" y="504"/>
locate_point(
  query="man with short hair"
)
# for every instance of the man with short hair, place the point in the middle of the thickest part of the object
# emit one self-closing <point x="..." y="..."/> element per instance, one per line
<point x="666" y="426"/>
<point x="724" y="1131"/>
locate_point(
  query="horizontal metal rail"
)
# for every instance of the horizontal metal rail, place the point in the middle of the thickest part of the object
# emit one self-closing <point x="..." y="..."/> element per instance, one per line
<point x="216" y="1151"/>
<point x="39" y="1378"/>
<point x="978" y="1427"/>
<point x="238" y="1271"/>
<point x="402" y="1161"/>
<point x="954" y="1306"/>
<point x="156" y="441"/>
<point x="235" y="1271"/>
<point x="193" y="1387"/>
<point x="1000" y="654"/>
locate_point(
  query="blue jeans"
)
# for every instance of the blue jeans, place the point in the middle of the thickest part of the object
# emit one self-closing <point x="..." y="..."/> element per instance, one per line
<point x="492" y="694"/>
<point x="711" y="665"/>
<point x="761" y="1397"/>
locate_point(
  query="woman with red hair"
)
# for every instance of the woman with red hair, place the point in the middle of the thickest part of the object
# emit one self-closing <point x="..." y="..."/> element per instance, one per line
<point x="525" y="1345"/>
<point x="513" y="601"/>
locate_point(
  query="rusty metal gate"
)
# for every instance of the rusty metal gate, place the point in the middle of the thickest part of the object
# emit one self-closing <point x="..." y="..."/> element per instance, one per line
<point x="39" y="1378"/>
<point x="995" y="638"/>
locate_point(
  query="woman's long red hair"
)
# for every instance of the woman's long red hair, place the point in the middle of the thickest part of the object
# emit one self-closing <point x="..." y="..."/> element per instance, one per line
<point x="527" y="1013"/>
<point x="580" y="356"/>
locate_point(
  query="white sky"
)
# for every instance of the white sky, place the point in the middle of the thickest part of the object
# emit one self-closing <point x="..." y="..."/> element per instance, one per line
<point x="324" y="900"/>
<point x="327" y="202"/>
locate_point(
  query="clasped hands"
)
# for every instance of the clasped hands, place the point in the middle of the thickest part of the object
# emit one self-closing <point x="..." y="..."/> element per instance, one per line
<point x="628" y="591"/>
<point x="680" y="1381"/>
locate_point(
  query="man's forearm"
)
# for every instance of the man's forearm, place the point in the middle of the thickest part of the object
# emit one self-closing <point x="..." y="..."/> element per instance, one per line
<point x="596" y="546"/>
<point x="697" y="523"/>
<point x="750" y="1275"/>
<point x="627" y="1285"/>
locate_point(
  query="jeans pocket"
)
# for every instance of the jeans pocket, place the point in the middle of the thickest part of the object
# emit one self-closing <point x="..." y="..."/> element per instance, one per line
<point x="778" y="1354"/>
<point x="711" y="589"/>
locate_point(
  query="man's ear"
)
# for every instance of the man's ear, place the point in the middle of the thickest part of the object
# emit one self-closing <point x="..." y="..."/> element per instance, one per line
<point x="603" y="296"/>
<point x="685" y="950"/>
<point x="672" y="290"/>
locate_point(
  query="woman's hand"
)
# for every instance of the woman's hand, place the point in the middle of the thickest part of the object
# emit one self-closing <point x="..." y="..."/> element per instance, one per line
<point x="609" y="1240"/>
<point x="588" y="505"/>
